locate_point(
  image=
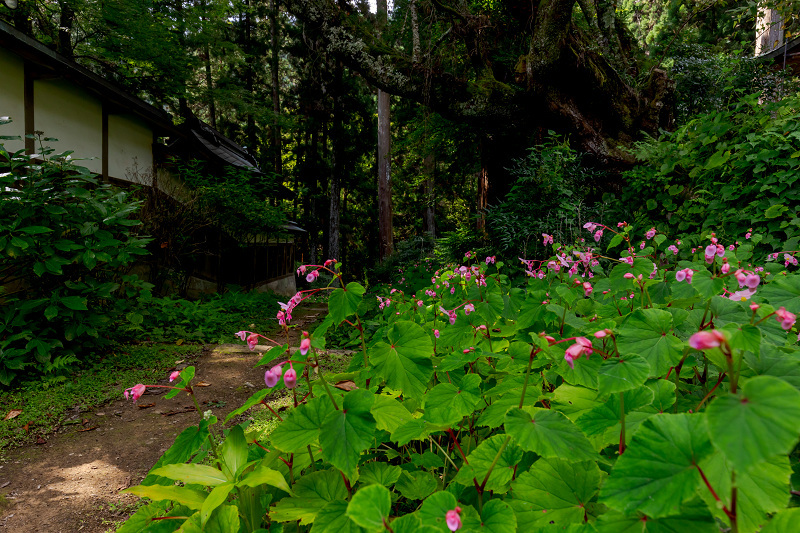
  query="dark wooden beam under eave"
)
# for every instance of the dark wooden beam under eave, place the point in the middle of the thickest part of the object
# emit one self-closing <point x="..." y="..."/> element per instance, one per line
<point x="104" y="148"/>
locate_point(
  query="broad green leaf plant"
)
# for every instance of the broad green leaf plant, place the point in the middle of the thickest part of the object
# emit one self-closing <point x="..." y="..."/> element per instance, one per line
<point x="601" y="394"/>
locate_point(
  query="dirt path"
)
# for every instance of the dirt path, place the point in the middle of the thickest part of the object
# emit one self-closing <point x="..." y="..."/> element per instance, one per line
<point x="72" y="482"/>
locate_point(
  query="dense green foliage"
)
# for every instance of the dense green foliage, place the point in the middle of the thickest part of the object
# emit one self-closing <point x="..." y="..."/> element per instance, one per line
<point x="731" y="171"/>
<point x="476" y="409"/>
<point x="65" y="244"/>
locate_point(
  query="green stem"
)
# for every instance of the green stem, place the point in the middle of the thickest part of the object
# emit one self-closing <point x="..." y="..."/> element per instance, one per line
<point x="325" y="383"/>
<point x="446" y="455"/>
<point x="360" y="328"/>
<point x="622" y="423"/>
<point x="311" y="455"/>
<point x="494" y="463"/>
<point x="527" y="376"/>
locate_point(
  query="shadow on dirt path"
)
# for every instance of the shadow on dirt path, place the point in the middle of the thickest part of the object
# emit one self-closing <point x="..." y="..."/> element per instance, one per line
<point x="72" y="482"/>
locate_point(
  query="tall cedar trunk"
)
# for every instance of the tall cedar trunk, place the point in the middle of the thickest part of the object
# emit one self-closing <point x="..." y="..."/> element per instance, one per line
<point x="313" y="231"/>
<point x="337" y="149"/>
<point x="769" y="30"/>
<point x="483" y="183"/>
<point x="66" y="20"/>
<point x="250" y="125"/>
<point x="429" y="219"/>
<point x="384" y="163"/>
<point x="276" y="103"/>
<point x="212" y="108"/>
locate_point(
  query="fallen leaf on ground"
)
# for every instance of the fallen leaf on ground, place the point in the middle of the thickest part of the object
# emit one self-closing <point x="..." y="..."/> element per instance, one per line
<point x="89" y="429"/>
<point x="40" y="440"/>
<point x="202" y="384"/>
<point x="145" y="406"/>
<point x="346" y="385"/>
<point x="14" y="413"/>
<point x="27" y="426"/>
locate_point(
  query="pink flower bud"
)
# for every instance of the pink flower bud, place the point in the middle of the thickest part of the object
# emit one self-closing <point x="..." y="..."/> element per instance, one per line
<point x="602" y="333"/>
<point x="252" y="340"/>
<point x="587" y="288"/>
<point x="726" y="267"/>
<point x="290" y="378"/>
<point x="754" y="307"/>
<point x="628" y="275"/>
<point x="752" y="281"/>
<point x="305" y="344"/>
<point x="175" y="375"/>
<point x="436" y="333"/>
<point x="272" y="376"/>
<point x="703" y="340"/>
<point x="453" y="519"/>
<point x="135" y="392"/>
<point x="786" y="318"/>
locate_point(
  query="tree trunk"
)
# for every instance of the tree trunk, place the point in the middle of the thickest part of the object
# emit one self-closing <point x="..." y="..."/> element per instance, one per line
<point x="337" y="150"/>
<point x="276" y="103"/>
<point x="66" y="20"/>
<point x="769" y="30"/>
<point x="429" y="217"/>
<point x="384" y="162"/>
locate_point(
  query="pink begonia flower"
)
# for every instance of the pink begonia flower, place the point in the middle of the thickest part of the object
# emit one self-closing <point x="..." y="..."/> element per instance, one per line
<point x="752" y="281"/>
<point x="301" y="270"/>
<point x="272" y="376"/>
<point x="628" y="260"/>
<point x="720" y="250"/>
<point x="329" y="262"/>
<point x="741" y="277"/>
<point x="175" y="375"/>
<point x="742" y="296"/>
<point x="252" y="341"/>
<point x="582" y="346"/>
<point x="242" y="334"/>
<point x="305" y="344"/>
<point x="135" y="392"/>
<point x="290" y="377"/>
<point x="786" y="318"/>
<point x="587" y="288"/>
<point x="710" y="252"/>
<point x="436" y="333"/>
<point x="732" y="247"/>
<point x="490" y="259"/>
<point x="420" y="303"/>
<point x="598" y="235"/>
<point x="590" y="226"/>
<point x="672" y="248"/>
<point x="468" y="309"/>
<point x="680" y="275"/>
<point x="628" y="275"/>
<point x="754" y="307"/>
<point x="548" y="239"/>
<point x="453" y="289"/>
<point x="312" y="276"/>
<point x="703" y="340"/>
<point x="622" y="224"/>
<point x="602" y="333"/>
<point x="748" y="235"/>
<point x="726" y="267"/>
<point x="642" y="245"/>
<point x="453" y="519"/>
<point x="650" y="233"/>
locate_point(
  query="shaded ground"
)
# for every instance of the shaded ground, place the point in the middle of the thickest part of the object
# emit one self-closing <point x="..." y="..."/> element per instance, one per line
<point x="72" y="482"/>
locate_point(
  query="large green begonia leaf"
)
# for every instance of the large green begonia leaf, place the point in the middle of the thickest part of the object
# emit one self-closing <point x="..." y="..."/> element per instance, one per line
<point x="761" y="421"/>
<point x="348" y="432"/>
<point x="301" y="425"/>
<point x="658" y="473"/>
<point x="693" y="518"/>
<point x="446" y="404"/>
<point x="370" y="507"/>
<point x="554" y="490"/>
<point x="405" y="361"/>
<point x="496" y="517"/>
<point x="332" y="518"/>
<point x="623" y="373"/>
<point x="344" y="302"/>
<point x="648" y="333"/>
<point x="481" y="460"/>
<point x="548" y="433"/>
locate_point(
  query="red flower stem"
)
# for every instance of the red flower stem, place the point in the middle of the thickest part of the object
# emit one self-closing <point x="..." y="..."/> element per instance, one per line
<point x="455" y="440"/>
<point x="731" y="516"/>
<point x="271" y="410"/>
<point x="721" y="377"/>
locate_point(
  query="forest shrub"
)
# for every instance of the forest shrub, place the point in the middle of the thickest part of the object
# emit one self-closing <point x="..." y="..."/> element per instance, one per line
<point x="65" y="244"/>
<point x="728" y="171"/>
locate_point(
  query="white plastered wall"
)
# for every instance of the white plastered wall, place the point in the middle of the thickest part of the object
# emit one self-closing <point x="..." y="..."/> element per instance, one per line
<point x="72" y="116"/>
<point x="12" y="98"/>
<point x="130" y="149"/>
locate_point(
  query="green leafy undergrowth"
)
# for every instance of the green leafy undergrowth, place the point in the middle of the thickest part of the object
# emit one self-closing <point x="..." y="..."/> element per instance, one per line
<point x="604" y="394"/>
<point x="211" y="319"/>
<point x="47" y="404"/>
